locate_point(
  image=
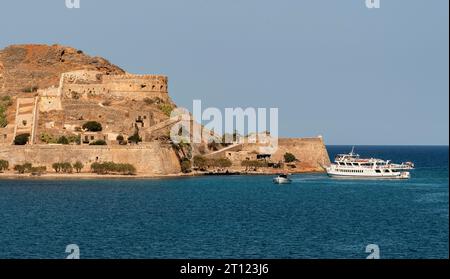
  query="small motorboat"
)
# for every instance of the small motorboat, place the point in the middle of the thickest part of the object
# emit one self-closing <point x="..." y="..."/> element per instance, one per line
<point x="282" y="179"/>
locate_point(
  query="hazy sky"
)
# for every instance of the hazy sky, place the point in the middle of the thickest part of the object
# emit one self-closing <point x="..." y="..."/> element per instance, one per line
<point x="332" y="67"/>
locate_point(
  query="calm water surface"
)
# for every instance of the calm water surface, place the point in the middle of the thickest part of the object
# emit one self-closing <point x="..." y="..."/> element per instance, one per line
<point x="234" y="217"/>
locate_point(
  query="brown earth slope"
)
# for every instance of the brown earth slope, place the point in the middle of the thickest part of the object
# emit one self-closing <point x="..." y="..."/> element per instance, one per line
<point x="40" y="66"/>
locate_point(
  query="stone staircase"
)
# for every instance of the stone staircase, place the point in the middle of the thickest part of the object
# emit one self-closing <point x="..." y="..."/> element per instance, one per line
<point x="26" y="117"/>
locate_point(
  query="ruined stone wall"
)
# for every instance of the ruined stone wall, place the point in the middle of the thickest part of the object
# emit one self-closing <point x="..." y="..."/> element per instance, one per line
<point x="85" y="91"/>
<point x="149" y="159"/>
<point x="310" y="151"/>
<point x="49" y="99"/>
<point x="81" y="76"/>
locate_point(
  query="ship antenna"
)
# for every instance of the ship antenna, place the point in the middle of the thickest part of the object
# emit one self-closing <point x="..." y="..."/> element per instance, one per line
<point x="353" y="149"/>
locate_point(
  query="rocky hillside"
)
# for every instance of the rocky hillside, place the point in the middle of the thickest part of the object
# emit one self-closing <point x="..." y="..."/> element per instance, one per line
<point x="25" y="67"/>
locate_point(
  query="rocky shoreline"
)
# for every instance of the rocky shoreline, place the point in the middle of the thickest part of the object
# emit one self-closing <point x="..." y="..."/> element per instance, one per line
<point x="57" y="176"/>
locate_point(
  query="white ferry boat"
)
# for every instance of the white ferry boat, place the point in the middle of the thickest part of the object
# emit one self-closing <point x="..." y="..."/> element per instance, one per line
<point x="352" y="166"/>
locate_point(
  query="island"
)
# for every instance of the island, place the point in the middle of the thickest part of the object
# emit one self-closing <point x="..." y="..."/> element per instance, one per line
<point x="66" y="114"/>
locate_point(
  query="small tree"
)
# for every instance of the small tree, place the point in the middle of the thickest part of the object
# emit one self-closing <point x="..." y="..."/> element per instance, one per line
<point x="92" y="126"/>
<point x="4" y="165"/>
<point x="121" y="140"/>
<point x="28" y="167"/>
<point x="56" y="167"/>
<point x="78" y="166"/>
<point x="22" y="139"/>
<point x="67" y="167"/>
<point x="20" y="169"/>
<point x="289" y="157"/>
<point x="135" y="138"/>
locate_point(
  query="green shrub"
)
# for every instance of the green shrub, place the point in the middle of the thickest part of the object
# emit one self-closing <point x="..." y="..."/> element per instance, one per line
<point x="28" y="167"/>
<point x="111" y="168"/>
<point x="203" y="163"/>
<point x="74" y="139"/>
<point x="254" y="164"/>
<point x="25" y="168"/>
<point x="47" y="138"/>
<point x="19" y="168"/>
<point x="38" y="170"/>
<point x="135" y="138"/>
<point x="98" y="142"/>
<point x="166" y="109"/>
<point x="200" y="162"/>
<point x="56" y="167"/>
<point x="4" y="165"/>
<point x="121" y="140"/>
<point x="186" y="165"/>
<point x="222" y="163"/>
<point x="92" y="126"/>
<point x="63" y="140"/>
<point x="65" y="167"/>
<point x="22" y="139"/>
<point x="6" y="99"/>
<point x="3" y="120"/>
<point x="30" y="89"/>
<point x="5" y="102"/>
<point x="289" y="157"/>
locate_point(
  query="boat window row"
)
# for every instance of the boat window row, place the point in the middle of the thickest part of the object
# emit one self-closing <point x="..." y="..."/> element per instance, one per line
<point x="386" y="170"/>
<point x="351" y="171"/>
<point x="355" y="164"/>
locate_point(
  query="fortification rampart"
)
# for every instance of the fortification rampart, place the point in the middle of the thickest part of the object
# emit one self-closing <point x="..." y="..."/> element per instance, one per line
<point x="149" y="159"/>
<point x="89" y="84"/>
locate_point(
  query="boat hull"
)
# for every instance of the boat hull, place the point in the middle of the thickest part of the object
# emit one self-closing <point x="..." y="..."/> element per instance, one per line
<point x="403" y="175"/>
<point x="279" y="180"/>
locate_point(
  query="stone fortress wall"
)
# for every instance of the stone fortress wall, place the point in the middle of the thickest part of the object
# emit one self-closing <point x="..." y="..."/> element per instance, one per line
<point x="87" y="84"/>
<point x="153" y="158"/>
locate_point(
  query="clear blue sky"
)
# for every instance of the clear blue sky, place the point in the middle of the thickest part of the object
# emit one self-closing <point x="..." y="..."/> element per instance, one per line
<point x="336" y="68"/>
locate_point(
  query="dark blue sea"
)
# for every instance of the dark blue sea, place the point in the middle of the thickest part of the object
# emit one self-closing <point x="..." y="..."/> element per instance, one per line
<point x="234" y="216"/>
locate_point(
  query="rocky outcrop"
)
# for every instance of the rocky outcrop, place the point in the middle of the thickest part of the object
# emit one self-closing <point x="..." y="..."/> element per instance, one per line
<point x="29" y="67"/>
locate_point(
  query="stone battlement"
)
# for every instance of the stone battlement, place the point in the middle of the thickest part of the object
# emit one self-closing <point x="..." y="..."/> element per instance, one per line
<point x="111" y="78"/>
